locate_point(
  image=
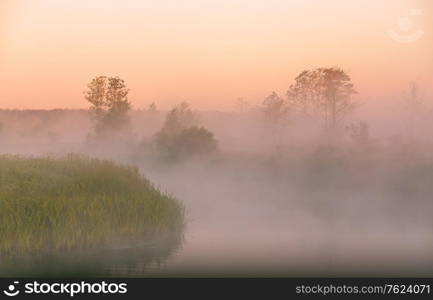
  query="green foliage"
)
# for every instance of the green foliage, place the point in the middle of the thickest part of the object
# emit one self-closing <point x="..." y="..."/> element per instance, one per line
<point x="186" y="142"/>
<point x="179" y="137"/>
<point x="323" y="91"/>
<point x="77" y="203"/>
<point x="110" y="105"/>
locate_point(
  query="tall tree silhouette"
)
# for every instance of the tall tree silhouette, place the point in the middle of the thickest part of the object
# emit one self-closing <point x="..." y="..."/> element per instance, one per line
<point x="323" y="91"/>
<point x="108" y="97"/>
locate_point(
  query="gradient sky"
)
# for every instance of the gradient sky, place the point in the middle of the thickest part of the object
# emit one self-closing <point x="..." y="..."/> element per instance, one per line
<point x="207" y="52"/>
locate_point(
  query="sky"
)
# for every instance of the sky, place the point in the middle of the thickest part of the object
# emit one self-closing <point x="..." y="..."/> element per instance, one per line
<point x="208" y="53"/>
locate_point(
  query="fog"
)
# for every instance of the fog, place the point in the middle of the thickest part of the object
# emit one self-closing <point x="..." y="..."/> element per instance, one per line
<point x="286" y="200"/>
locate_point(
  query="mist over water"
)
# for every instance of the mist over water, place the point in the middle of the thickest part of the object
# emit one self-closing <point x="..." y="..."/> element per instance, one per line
<point x="320" y="165"/>
<point x="286" y="201"/>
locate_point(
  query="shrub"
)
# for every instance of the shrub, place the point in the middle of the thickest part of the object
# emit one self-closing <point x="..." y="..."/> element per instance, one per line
<point x="185" y="142"/>
<point x="179" y="137"/>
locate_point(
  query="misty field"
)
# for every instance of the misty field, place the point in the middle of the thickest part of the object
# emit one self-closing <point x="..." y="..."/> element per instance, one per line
<point x="77" y="204"/>
<point x="269" y="200"/>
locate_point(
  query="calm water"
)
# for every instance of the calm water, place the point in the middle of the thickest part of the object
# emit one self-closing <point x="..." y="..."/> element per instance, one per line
<point x="245" y="221"/>
<point x="250" y="225"/>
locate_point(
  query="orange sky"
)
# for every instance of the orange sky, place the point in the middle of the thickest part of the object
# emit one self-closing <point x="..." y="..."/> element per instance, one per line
<point x="207" y="52"/>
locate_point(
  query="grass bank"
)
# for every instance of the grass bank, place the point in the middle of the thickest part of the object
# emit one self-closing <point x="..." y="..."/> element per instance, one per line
<point x="76" y="203"/>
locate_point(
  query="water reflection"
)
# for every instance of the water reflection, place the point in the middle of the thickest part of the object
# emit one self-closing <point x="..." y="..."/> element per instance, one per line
<point x="127" y="260"/>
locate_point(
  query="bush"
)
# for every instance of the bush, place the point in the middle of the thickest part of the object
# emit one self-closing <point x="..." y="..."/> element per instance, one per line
<point x="185" y="142"/>
<point x="180" y="137"/>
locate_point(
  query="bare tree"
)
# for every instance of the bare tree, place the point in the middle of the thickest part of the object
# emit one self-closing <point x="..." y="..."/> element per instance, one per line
<point x="241" y="105"/>
<point x="323" y="91"/>
<point x="108" y="97"/>
<point x="412" y="100"/>
<point x="413" y="105"/>
<point x="152" y="107"/>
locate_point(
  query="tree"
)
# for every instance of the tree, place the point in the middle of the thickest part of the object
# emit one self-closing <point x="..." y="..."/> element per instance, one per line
<point x="180" y="137"/>
<point x="180" y="117"/>
<point x="152" y="107"/>
<point x="187" y="142"/>
<point x="412" y="100"/>
<point x="275" y="109"/>
<point x="241" y="105"/>
<point x="108" y="97"/>
<point x="413" y="105"/>
<point x="323" y="91"/>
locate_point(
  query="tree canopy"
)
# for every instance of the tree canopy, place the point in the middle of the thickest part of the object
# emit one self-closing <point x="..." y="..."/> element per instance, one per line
<point x="108" y="97"/>
<point x="323" y="91"/>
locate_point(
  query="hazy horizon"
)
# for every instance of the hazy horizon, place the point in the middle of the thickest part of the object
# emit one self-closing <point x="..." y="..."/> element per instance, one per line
<point x="208" y="52"/>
